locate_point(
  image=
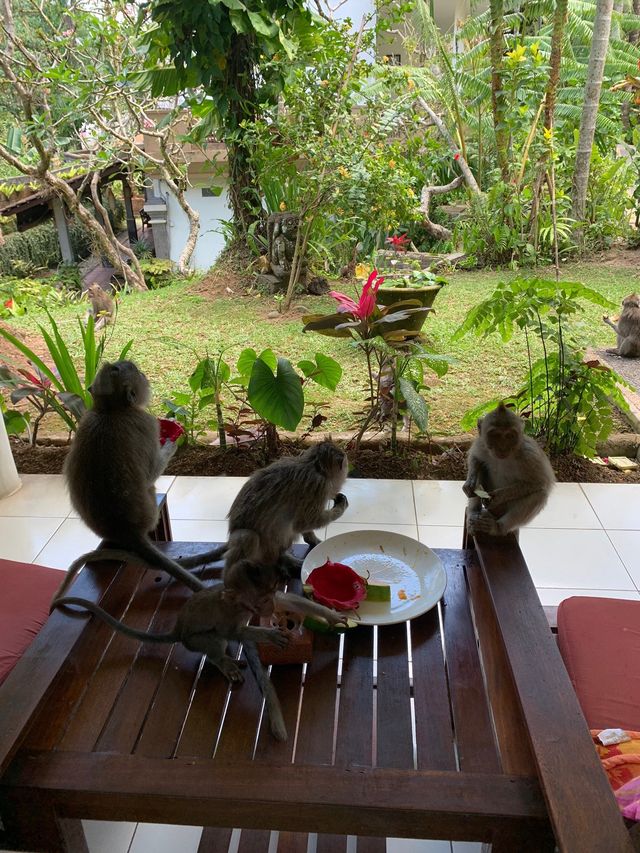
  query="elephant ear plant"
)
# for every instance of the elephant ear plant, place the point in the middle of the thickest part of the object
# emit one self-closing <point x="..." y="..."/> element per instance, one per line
<point x="389" y="352"/>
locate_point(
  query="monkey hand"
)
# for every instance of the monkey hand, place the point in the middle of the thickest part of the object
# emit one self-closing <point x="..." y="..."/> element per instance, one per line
<point x="486" y="523"/>
<point x="341" y="501"/>
<point x="279" y="637"/>
<point x="469" y="488"/>
<point x="605" y="318"/>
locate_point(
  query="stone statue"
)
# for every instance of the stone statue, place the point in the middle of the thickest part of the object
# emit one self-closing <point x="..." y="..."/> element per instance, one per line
<point x="282" y="232"/>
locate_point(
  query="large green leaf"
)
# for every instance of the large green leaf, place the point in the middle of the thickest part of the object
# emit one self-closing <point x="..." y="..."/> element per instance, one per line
<point x="325" y="370"/>
<point x="332" y="325"/>
<point x="261" y="26"/>
<point x="278" y="399"/>
<point x="417" y="406"/>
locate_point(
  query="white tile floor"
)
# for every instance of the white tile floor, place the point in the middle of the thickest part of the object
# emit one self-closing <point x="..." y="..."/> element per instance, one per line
<point x="586" y="542"/>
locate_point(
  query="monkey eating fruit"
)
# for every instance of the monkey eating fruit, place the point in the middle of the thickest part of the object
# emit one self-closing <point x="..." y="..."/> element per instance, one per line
<point x="102" y="306"/>
<point x="508" y="472"/>
<point x="111" y="470"/>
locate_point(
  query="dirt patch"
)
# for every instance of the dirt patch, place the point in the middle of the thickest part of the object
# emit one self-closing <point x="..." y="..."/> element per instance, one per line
<point x="223" y="282"/>
<point x="619" y="256"/>
<point x="33" y="340"/>
<point x="411" y="464"/>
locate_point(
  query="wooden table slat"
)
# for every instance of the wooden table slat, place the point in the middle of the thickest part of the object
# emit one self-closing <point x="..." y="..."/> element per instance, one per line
<point x="354" y="744"/>
<point x="316" y="728"/>
<point x="202" y="724"/>
<point x="371" y="845"/>
<point x="287" y="680"/>
<point x="111" y="674"/>
<point x="214" y="840"/>
<point x="253" y="841"/>
<point x="240" y="727"/>
<point x="394" y="741"/>
<point x="477" y="750"/>
<point x="331" y="844"/>
<point x="582" y="808"/>
<point x="293" y="842"/>
<point x="434" y="732"/>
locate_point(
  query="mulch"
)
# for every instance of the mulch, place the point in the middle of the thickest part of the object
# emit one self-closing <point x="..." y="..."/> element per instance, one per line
<point x="378" y="463"/>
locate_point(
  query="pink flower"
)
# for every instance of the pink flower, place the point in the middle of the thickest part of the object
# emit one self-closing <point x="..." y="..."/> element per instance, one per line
<point x="338" y="586"/>
<point x="456" y="156"/>
<point x="170" y="430"/>
<point x="147" y="123"/>
<point x="67" y="33"/>
<point x="365" y="306"/>
<point x="400" y="242"/>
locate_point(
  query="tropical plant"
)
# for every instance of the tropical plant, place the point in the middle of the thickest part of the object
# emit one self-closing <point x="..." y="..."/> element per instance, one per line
<point x="158" y="272"/>
<point x="566" y="401"/>
<point x="15" y="421"/>
<point x="62" y="387"/>
<point x="20" y="295"/>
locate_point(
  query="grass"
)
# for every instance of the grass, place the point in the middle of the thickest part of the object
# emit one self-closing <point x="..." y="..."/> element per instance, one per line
<point x="172" y="326"/>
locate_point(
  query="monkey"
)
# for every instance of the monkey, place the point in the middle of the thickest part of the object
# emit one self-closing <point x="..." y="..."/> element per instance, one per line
<point x="283" y="500"/>
<point x="111" y="470"/>
<point x="211" y="617"/>
<point x="102" y="305"/>
<point x="628" y="328"/>
<point x="511" y="469"/>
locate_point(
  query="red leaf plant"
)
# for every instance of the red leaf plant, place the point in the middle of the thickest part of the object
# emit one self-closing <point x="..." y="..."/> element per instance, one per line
<point x="399" y="242"/>
<point x="366" y="305"/>
<point x="338" y="586"/>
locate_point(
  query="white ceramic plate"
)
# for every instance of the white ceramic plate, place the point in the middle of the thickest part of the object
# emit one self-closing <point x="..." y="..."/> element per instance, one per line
<point x="409" y="567"/>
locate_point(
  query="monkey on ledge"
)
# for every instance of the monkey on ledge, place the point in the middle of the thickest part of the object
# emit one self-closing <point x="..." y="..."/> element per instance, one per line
<point x="509" y="476"/>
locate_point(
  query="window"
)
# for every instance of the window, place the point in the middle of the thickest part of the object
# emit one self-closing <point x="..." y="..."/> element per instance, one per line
<point x="393" y="58"/>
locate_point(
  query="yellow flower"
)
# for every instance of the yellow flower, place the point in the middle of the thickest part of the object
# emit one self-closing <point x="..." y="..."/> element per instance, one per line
<point x="282" y="206"/>
<point x="410" y="84"/>
<point x="344" y="172"/>
<point x="385" y="59"/>
<point x="410" y="193"/>
<point x="518" y="54"/>
<point x="362" y="271"/>
<point x="392" y="164"/>
<point x="535" y="47"/>
<point x="548" y="134"/>
<point x="340" y="211"/>
<point x="324" y="83"/>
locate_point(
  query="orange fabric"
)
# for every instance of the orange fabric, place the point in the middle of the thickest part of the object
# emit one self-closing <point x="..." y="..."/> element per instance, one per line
<point x="27" y="591"/>
<point x="599" y="639"/>
<point x="620" y="761"/>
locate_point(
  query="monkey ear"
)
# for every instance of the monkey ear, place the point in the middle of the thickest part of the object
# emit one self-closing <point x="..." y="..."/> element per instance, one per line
<point x="131" y="394"/>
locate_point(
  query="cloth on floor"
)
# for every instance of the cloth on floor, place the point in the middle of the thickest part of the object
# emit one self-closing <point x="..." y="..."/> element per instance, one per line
<point x="621" y="763"/>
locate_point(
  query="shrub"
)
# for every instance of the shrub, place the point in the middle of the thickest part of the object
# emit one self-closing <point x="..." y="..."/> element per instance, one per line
<point x="158" y="272"/>
<point x="39" y="248"/>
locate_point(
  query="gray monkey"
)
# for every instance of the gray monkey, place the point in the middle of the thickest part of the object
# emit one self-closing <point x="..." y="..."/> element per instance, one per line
<point x="627" y="328"/>
<point x="284" y="500"/>
<point x="513" y="471"/>
<point x="111" y="469"/>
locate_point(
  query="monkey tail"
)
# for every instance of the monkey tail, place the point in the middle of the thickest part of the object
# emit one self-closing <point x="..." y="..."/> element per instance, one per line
<point x="271" y="701"/>
<point x="145" y="550"/>
<point x="78" y="563"/>
<point x="113" y="622"/>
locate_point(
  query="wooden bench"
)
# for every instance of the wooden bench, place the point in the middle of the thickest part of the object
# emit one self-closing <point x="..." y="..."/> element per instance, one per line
<point x="464" y="726"/>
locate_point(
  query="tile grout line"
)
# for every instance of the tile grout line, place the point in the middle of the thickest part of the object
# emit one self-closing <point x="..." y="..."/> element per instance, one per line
<point x="62" y="521"/>
<point x="626" y="568"/>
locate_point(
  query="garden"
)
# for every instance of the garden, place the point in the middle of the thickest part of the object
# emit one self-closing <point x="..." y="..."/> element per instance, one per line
<point x="408" y="244"/>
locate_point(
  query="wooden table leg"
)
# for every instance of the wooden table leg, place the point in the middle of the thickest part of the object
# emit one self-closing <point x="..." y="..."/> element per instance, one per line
<point x="162" y="533"/>
<point x="32" y="824"/>
<point x="524" y="840"/>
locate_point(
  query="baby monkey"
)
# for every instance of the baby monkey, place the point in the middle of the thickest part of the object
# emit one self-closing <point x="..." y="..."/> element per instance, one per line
<point x="284" y="500"/>
<point x="627" y="328"/>
<point x="102" y="306"/>
<point x="111" y="470"/>
<point x="508" y="471"/>
<point x="210" y="618"/>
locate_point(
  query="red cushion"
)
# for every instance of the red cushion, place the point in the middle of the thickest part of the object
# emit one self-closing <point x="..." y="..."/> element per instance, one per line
<point x="599" y="639"/>
<point x="26" y="592"/>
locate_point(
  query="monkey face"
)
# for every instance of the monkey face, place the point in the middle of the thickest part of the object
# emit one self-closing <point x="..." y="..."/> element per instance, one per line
<point x="502" y="441"/>
<point x="631" y="301"/>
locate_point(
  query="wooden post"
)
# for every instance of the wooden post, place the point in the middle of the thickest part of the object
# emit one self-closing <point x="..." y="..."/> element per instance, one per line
<point x="132" y="231"/>
<point x="60" y="220"/>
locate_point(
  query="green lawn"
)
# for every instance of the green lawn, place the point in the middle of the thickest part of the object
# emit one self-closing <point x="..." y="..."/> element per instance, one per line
<point x="170" y="326"/>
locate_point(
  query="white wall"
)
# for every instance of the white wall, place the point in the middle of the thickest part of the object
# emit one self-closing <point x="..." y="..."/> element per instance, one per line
<point x="212" y="210"/>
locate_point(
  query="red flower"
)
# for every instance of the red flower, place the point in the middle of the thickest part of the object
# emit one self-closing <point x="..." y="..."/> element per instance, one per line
<point x="338" y="586"/>
<point x="399" y="242"/>
<point x="456" y="156"/>
<point x="170" y="430"/>
<point x="8" y="303"/>
<point x="365" y="306"/>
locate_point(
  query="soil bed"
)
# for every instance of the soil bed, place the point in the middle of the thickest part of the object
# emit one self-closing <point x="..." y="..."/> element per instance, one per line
<point x="371" y="463"/>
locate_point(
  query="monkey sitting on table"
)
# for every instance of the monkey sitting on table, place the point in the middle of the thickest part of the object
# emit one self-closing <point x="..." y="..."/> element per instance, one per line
<point x="508" y="471"/>
<point x="627" y="328"/>
<point x="211" y="617"/>
<point x="111" y="470"/>
<point x="102" y="306"/>
<point x="284" y="500"/>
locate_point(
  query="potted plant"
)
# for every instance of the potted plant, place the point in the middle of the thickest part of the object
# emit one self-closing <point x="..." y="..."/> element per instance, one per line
<point x="418" y="284"/>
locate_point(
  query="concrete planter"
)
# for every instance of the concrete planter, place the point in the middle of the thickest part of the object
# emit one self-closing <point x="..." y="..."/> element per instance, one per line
<point x="9" y="480"/>
<point x="426" y="295"/>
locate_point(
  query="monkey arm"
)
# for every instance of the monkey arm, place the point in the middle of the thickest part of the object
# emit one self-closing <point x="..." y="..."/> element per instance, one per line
<point x="610" y="323"/>
<point x="162" y="459"/>
<point x="326" y="516"/>
<point x="475" y="472"/>
<point x="298" y="604"/>
<point x="513" y="492"/>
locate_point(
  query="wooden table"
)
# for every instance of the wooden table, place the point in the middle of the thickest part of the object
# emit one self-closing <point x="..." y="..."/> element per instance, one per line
<point x="466" y="728"/>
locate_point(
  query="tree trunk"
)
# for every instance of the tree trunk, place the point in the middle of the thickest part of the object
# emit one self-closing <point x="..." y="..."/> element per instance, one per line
<point x="595" y="71"/>
<point x="462" y="163"/>
<point x="243" y="183"/>
<point x="559" y="22"/>
<point x="436" y="230"/>
<point x="634" y="35"/>
<point x="498" y="106"/>
<point x="616" y="32"/>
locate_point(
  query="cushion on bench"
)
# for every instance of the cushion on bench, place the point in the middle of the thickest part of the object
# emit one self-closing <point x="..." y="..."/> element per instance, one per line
<point x="27" y="591"/>
<point x="599" y="639"/>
